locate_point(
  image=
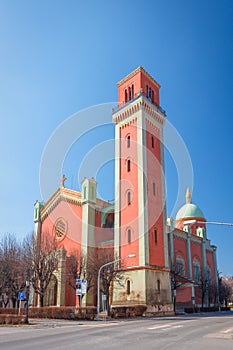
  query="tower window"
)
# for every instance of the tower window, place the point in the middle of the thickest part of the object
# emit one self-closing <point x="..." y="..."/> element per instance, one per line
<point x="132" y="92"/>
<point x="85" y="193"/>
<point x="152" y="142"/>
<point x="126" y="96"/>
<point x="129" y="235"/>
<point x="155" y="236"/>
<point x="152" y="96"/>
<point x="147" y="91"/>
<point x="128" y="141"/>
<point x="128" y="165"/>
<point x="128" y="287"/>
<point x="158" y="286"/>
<point x="154" y="189"/>
<point x="36" y="213"/>
<point x="150" y="93"/>
<point x="129" y="198"/>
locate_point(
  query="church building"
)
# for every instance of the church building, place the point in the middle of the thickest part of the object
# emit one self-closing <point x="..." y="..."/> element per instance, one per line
<point x="167" y="260"/>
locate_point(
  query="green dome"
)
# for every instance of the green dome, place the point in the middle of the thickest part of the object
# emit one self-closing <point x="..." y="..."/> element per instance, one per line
<point x="189" y="210"/>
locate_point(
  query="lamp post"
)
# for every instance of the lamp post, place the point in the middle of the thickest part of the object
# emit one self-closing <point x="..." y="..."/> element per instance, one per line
<point x="27" y="301"/>
<point x="98" y="281"/>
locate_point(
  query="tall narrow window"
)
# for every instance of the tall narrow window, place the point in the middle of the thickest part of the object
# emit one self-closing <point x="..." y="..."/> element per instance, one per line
<point x="196" y="272"/>
<point x="129" y="235"/>
<point x="132" y="90"/>
<point x="126" y="96"/>
<point x="129" y="198"/>
<point x="128" y="287"/>
<point x="129" y="92"/>
<point x="154" y="189"/>
<point x="152" y="142"/>
<point x="155" y="236"/>
<point x="85" y="193"/>
<point x="180" y="270"/>
<point x="147" y="91"/>
<point x="128" y="141"/>
<point x="158" y="286"/>
<point x="128" y="165"/>
<point x="152" y="96"/>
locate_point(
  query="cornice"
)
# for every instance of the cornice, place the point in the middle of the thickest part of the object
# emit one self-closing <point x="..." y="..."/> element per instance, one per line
<point x="136" y="71"/>
<point x="140" y="104"/>
<point x="62" y="194"/>
<point x="150" y="268"/>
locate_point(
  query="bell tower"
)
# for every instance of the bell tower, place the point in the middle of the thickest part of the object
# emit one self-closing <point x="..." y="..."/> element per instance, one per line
<point x="140" y="205"/>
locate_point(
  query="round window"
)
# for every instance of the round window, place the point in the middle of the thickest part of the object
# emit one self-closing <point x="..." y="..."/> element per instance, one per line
<point x="60" y="228"/>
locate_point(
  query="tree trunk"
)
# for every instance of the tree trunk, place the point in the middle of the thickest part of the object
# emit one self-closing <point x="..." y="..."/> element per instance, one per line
<point x="41" y="297"/>
<point x="14" y="302"/>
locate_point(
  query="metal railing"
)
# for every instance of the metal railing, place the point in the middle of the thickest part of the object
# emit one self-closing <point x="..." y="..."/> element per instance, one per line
<point x="137" y="96"/>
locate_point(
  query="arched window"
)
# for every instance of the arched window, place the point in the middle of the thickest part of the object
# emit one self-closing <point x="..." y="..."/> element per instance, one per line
<point x="128" y="287"/>
<point x="129" y="235"/>
<point x="128" y="141"/>
<point x="154" y="189"/>
<point x="180" y="270"/>
<point x="196" y="271"/>
<point x="126" y="96"/>
<point x="128" y="165"/>
<point x="152" y="142"/>
<point x="129" y="198"/>
<point x="155" y="236"/>
<point x="158" y="286"/>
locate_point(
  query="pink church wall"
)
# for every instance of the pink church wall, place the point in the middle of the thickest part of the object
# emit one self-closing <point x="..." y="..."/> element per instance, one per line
<point x="72" y="214"/>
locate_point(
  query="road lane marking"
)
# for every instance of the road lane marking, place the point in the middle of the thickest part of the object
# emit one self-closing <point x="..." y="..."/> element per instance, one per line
<point x="228" y="330"/>
<point x="172" y="327"/>
<point x="165" y="327"/>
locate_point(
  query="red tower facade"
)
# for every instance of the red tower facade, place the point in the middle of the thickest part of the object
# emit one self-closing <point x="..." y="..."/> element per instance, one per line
<point x="140" y="212"/>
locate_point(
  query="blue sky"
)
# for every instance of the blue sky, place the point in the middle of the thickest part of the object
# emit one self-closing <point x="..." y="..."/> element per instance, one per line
<point x="58" y="57"/>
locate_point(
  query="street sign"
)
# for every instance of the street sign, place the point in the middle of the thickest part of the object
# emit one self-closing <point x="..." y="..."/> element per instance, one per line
<point x="21" y="296"/>
<point x="78" y="291"/>
<point x="81" y="287"/>
<point x="78" y="282"/>
<point x="84" y="287"/>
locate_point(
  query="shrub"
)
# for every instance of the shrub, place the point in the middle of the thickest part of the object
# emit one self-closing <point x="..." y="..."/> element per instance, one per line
<point x="11" y="319"/>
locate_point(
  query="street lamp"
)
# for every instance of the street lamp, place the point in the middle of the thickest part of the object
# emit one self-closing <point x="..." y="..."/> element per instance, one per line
<point x="98" y="282"/>
<point x="27" y="300"/>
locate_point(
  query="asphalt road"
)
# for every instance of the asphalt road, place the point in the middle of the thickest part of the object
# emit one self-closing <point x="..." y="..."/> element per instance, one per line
<point x="197" y="332"/>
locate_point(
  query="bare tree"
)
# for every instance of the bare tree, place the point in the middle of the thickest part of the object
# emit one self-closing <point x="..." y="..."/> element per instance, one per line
<point x="13" y="276"/>
<point x="42" y="262"/>
<point x="109" y="274"/>
<point x="76" y="267"/>
<point x="178" y="279"/>
<point x="225" y="290"/>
